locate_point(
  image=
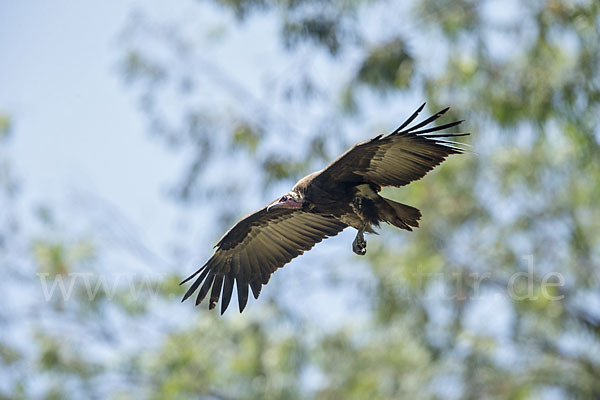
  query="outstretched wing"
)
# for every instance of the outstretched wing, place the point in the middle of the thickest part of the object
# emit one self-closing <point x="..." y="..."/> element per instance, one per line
<point x="403" y="156"/>
<point x="254" y="248"/>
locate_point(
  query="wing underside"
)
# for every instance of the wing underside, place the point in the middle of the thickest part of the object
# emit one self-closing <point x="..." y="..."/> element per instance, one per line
<point x="268" y="241"/>
<point x="403" y="156"/>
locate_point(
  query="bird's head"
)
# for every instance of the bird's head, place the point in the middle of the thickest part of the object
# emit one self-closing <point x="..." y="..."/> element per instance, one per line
<point x="288" y="200"/>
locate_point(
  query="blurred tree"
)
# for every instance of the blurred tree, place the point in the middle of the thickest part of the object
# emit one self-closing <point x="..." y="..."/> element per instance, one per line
<point x="525" y="78"/>
<point x="495" y="296"/>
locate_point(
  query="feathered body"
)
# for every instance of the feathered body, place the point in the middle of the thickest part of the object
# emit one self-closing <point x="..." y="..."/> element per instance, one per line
<point x="322" y="204"/>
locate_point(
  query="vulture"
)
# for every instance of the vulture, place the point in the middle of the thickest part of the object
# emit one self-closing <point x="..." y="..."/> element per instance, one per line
<point x="321" y="205"/>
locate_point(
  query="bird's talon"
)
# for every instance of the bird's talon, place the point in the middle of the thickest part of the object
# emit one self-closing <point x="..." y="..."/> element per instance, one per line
<point x="359" y="246"/>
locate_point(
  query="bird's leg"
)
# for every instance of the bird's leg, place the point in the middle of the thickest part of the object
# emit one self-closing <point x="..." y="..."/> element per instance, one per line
<point x="359" y="246"/>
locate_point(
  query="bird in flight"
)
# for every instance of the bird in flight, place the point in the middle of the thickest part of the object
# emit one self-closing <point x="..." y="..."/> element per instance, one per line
<point x="323" y="204"/>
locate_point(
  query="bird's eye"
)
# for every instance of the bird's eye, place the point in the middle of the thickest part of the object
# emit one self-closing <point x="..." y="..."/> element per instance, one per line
<point x="284" y="198"/>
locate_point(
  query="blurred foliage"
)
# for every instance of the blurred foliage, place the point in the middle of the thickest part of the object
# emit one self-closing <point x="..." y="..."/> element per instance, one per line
<point x="9" y="185"/>
<point x="246" y="363"/>
<point x="388" y="66"/>
<point x="5" y="126"/>
<point x="245" y="136"/>
<point x="494" y="296"/>
<point x="56" y="258"/>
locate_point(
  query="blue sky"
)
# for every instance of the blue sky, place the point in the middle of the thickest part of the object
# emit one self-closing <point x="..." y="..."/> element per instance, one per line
<point x="77" y="130"/>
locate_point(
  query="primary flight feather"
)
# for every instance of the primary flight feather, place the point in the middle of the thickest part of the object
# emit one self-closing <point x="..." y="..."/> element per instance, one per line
<point x="321" y="205"/>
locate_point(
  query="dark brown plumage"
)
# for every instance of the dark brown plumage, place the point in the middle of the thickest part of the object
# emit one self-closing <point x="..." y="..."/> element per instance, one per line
<point x="321" y="205"/>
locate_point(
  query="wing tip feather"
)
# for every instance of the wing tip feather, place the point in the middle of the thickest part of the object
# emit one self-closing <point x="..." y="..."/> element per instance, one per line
<point x="193" y="275"/>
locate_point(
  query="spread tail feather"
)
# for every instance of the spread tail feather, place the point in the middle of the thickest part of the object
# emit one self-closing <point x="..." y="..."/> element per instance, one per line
<point x="400" y="215"/>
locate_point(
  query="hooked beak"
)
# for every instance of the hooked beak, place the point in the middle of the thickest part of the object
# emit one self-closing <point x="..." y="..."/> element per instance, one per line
<point x="291" y="203"/>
